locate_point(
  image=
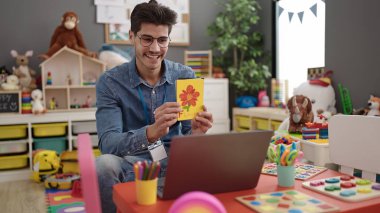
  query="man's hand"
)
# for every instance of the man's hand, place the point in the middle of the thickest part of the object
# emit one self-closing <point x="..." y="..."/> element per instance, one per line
<point x="202" y="122"/>
<point x="165" y="116"/>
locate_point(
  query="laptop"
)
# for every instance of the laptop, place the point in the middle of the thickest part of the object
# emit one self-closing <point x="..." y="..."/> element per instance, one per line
<point x="214" y="163"/>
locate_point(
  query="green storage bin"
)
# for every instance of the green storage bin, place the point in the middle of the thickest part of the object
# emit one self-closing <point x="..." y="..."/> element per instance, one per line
<point x="57" y="144"/>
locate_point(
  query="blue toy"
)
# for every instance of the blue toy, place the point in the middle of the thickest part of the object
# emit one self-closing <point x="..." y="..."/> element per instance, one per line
<point x="246" y="101"/>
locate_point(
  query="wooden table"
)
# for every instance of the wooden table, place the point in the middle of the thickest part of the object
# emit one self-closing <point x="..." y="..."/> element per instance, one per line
<point x="124" y="197"/>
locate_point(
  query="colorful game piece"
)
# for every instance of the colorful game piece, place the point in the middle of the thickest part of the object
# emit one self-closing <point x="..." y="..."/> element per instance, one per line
<point x="295" y="202"/>
<point x="303" y="171"/>
<point x="347" y="190"/>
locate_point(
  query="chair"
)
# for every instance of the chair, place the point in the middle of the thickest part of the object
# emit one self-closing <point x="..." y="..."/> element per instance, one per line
<point x="354" y="144"/>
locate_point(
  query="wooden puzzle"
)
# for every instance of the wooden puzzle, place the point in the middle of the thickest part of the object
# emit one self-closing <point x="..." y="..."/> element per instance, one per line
<point x="285" y="201"/>
<point x="303" y="171"/>
<point x="345" y="187"/>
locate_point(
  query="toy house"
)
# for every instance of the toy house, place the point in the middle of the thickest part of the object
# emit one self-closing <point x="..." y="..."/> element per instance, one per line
<point x="68" y="80"/>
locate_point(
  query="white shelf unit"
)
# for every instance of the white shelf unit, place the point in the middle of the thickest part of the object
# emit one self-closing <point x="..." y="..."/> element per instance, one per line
<point x="29" y="120"/>
<point x="216" y="101"/>
<point x="72" y="80"/>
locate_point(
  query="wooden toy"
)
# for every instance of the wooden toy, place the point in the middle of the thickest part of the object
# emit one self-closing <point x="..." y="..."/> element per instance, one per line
<point x="285" y="201"/>
<point x="303" y="171"/>
<point x="345" y="187"/>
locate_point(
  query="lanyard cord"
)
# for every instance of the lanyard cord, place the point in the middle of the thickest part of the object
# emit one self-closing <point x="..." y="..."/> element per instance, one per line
<point x="144" y="104"/>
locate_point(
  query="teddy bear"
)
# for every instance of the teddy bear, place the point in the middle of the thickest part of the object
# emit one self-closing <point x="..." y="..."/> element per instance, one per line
<point x="11" y="83"/>
<point x="67" y="34"/>
<point x="25" y="74"/>
<point x="37" y="103"/>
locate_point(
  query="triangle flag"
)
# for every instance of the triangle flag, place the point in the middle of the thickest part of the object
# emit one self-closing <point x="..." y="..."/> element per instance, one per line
<point x="280" y="10"/>
<point x="290" y="14"/>
<point x="300" y="15"/>
<point x="314" y="9"/>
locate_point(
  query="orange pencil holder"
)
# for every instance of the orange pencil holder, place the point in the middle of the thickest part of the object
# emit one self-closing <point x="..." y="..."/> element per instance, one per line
<point x="146" y="191"/>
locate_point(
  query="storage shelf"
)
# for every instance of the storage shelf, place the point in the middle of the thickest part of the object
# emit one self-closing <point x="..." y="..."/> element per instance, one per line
<point x="262" y="118"/>
<point x="30" y="120"/>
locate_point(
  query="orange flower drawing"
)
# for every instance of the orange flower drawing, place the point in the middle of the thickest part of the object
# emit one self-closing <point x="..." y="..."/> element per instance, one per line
<point x="189" y="97"/>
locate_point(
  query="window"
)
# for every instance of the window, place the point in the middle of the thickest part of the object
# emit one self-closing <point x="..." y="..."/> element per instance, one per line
<point x="300" y="39"/>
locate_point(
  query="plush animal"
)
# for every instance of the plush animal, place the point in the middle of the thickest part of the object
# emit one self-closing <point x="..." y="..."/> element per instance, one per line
<point x="372" y="109"/>
<point x="67" y="34"/>
<point x="45" y="163"/>
<point x="113" y="56"/>
<point x="11" y="83"/>
<point x="37" y="103"/>
<point x="25" y="74"/>
<point x="300" y="110"/>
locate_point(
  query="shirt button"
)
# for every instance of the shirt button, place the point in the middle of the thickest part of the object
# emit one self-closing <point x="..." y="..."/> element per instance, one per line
<point x="129" y="152"/>
<point x="143" y="146"/>
<point x="153" y="92"/>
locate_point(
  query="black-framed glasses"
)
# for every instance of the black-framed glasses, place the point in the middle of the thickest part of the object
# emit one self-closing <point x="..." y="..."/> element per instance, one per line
<point x="147" y="40"/>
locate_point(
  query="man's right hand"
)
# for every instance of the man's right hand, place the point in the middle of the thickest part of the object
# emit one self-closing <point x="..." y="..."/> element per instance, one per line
<point x="165" y="116"/>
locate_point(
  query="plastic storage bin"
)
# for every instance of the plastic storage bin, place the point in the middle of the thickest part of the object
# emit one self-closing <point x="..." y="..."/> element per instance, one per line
<point x="243" y="121"/>
<point x="94" y="141"/>
<point x="49" y="130"/>
<point x="13" y="162"/>
<point x="13" y="131"/>
<point x="12" y="147"/>
<point x="84" y="127"/>
<point x="319" y="154"/>
<point x="57" y="144"/>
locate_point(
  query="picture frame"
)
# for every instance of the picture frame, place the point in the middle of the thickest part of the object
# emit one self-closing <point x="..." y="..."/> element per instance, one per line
<point x="117" y="33"/>
<point x="180" y="35"/>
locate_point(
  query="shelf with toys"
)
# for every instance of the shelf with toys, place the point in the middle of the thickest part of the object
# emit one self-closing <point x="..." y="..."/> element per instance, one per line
<point x="69" y="79"/>
<point x="56" y="130"/>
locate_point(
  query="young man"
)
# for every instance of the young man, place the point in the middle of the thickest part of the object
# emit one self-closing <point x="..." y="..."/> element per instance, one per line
<point x="136" y="102"/>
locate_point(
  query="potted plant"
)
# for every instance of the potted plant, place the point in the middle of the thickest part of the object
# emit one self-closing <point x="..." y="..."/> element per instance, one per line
<point x="239" y="47"/>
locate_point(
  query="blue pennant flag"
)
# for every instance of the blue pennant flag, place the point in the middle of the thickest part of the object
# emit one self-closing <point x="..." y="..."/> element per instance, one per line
<point x="280" y="10"/>
<point x="300" y="15"/>
<point x="314" y="9"/>
<point x="290" y="14"/>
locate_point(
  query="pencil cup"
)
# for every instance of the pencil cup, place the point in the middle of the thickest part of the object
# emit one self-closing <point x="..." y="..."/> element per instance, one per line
<point x="146" y="191"/>
<point x="285" y="175"/>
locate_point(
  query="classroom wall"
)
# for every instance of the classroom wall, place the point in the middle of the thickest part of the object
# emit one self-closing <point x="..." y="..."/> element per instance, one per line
<point x="29" y="25"/>
<point x="353" y="47"/>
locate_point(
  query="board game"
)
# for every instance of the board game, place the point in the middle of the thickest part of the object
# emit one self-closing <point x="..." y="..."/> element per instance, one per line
<point x="285" y="201"/>
<point x="303" y="171"/>
<point x="345" y="187"/>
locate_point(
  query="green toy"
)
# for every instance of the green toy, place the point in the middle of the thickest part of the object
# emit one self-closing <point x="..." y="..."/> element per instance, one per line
<point x="346" y="99"/>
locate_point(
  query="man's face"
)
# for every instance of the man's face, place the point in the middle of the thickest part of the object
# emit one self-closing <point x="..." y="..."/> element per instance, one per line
<point x="149" y="58"/>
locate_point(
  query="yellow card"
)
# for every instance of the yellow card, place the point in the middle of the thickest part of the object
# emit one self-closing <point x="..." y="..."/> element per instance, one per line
<point x="190" y="97"/>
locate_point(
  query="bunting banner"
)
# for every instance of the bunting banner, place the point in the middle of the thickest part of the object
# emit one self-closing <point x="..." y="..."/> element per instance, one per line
<point x="313" y="9"/>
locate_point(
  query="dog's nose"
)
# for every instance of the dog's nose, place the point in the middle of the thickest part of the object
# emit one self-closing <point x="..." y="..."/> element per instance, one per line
<point x="369" y="103"/>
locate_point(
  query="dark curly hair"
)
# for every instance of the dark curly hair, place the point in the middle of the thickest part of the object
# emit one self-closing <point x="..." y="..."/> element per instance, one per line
<point x="153" y="13"/>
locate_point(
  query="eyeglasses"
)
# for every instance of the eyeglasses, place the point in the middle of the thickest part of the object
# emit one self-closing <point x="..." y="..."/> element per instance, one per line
<point x="147" y="40"/>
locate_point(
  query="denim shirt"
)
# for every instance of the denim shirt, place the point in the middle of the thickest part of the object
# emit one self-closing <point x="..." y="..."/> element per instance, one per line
<point x="120" y="117"/>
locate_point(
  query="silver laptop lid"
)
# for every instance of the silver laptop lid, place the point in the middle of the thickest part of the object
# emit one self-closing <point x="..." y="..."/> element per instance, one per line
<point x="215" y="163"/>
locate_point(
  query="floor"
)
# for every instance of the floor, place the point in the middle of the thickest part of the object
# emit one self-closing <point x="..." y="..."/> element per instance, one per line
<point x="22" y="196"/>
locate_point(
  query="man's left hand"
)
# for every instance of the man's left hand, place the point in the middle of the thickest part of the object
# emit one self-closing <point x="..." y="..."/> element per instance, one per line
<point x="202" y="122"/>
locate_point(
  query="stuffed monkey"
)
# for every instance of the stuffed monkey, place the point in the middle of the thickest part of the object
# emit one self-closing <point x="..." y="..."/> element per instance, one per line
<point x="67" y="34"/>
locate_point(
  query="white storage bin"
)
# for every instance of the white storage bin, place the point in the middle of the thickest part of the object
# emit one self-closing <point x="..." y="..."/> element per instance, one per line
<point x="11" y="147"/>
<point x="84" y="127"/>
<point x="94" y="141"/>
<point x="319" y="154"/>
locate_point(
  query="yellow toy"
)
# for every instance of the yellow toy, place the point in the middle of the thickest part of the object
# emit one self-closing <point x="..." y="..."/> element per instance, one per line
<point x="45" y="163"/>
<point x="61" y="181"/>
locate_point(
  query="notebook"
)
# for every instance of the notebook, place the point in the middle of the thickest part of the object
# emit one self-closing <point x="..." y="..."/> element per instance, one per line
<point x="214" y="163"/>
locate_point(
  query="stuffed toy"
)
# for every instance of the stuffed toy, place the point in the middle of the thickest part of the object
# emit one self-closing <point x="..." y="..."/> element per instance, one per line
<point x="300" y="110"/>
<point x="11" y="83"/>
<point x="45" y="163"/>
<point x="246" y="101"/>
<point x="4" y="72"/>
<point x="67" y="34"/>
<point x="372" y="109"/>
<point x="322" y="97"/>
<point x="25" y="74"/>
<point x="37" y="103"/>
<point x="113" y="56"/>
